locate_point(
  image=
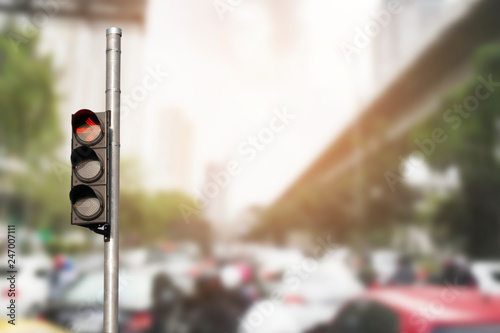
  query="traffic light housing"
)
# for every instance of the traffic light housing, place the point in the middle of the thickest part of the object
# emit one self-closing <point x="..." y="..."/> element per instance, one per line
<point x="89" y="194"/>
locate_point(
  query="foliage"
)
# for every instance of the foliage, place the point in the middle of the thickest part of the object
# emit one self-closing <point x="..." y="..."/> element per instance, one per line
<point x="334" y="208"/>
<point x="471" y="216"/>
<point x="29" y="126"/>
<point x="47" y="194"/>
<point x="147" y="216"/>
<point x="30" y="132"/>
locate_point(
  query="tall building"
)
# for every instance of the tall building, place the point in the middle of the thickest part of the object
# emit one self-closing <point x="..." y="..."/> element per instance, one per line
<point x="214" y="189"/>
<point x="170" y="153"/>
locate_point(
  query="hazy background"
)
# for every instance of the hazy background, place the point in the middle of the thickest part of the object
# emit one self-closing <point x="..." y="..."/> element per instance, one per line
<point x="340" y="118"/>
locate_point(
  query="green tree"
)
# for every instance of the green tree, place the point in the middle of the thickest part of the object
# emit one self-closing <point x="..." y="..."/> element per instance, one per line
<point x="30" y="132"/>
<point x="29" y="126"/>
<point x="147" y="216"/>
<point x="471" y="216"/>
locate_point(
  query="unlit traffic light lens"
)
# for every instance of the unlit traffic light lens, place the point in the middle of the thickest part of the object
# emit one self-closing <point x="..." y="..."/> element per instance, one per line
<point x="88" y="170"/>
<point x="86" y="203"/>
<point x="87" y="166"/>
<point x="88" y="207"/>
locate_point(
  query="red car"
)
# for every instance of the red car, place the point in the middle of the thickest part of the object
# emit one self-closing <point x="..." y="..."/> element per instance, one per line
<point x="418" y="310"/>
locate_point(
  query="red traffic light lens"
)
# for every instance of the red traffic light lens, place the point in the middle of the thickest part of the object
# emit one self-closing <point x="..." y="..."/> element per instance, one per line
<point x="88" y="131"/>
<point x="87" y="128"/>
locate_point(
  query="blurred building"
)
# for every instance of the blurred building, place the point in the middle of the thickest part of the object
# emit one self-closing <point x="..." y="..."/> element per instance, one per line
<point x="88" y="10"/>
<point x="214" y="191"/>
<point x="169" y="164"/>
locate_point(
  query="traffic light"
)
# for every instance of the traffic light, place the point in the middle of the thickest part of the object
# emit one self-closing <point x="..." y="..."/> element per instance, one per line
<point x="89" y="161"/>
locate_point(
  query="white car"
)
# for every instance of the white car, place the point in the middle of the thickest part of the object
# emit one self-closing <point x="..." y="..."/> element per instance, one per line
<point x="305" y="299"/>
<point x="180" y="265"/>
<point x="32" y="284"/>
<point x="182" y="269"/>
<point x="80" y="308"/>
<point x="487" y="275"/>
<point x="385" y="264"/>
<point x="272" y="263"/>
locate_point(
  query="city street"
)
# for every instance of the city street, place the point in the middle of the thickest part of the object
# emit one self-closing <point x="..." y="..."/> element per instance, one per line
<point x="237" y="166"/>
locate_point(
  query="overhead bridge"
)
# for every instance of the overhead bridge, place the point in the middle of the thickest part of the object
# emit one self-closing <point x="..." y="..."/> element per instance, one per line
<point x="381" y="131"/>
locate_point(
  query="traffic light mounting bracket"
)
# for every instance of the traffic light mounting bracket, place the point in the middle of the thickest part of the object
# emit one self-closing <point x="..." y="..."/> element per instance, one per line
<point x="104" y="231"/>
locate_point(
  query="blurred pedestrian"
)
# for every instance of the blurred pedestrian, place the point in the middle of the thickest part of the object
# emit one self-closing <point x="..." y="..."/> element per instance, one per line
<point x="62" y="276"/>
<point x="367" y="274"/>
<point x="456" y="272"/>
<point x="165" y="299"/>
<point x="212" y="310"/>
<point x="240" y="286"/>
<point x="405" y="272"/>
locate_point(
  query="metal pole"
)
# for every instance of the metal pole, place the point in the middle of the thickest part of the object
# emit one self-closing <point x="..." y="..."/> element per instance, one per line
<point x="113" y="53"/>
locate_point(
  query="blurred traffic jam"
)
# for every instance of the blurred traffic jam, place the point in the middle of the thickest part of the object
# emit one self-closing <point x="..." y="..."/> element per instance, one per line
<point x="305" y="166"/>
<point x="246" y="287"/>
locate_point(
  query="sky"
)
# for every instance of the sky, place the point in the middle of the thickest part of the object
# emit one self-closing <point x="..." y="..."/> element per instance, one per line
<point x="231" y="72"/>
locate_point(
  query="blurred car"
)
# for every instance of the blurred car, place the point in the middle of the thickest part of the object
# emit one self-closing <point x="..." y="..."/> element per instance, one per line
<point x="30" y="326"/>
<point x="180" y="265"/>
<point x="89" y="262"/>
<point x="385" y="263"/>
<point x="81" y="310"/>
<point x="134" y="257"/>
<point x="32" y="284"/>
<point x="306" y="301"/>
<point x="418" y="310"/>
<point x="271" y="265"/>
<point x="487" y="275"/>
